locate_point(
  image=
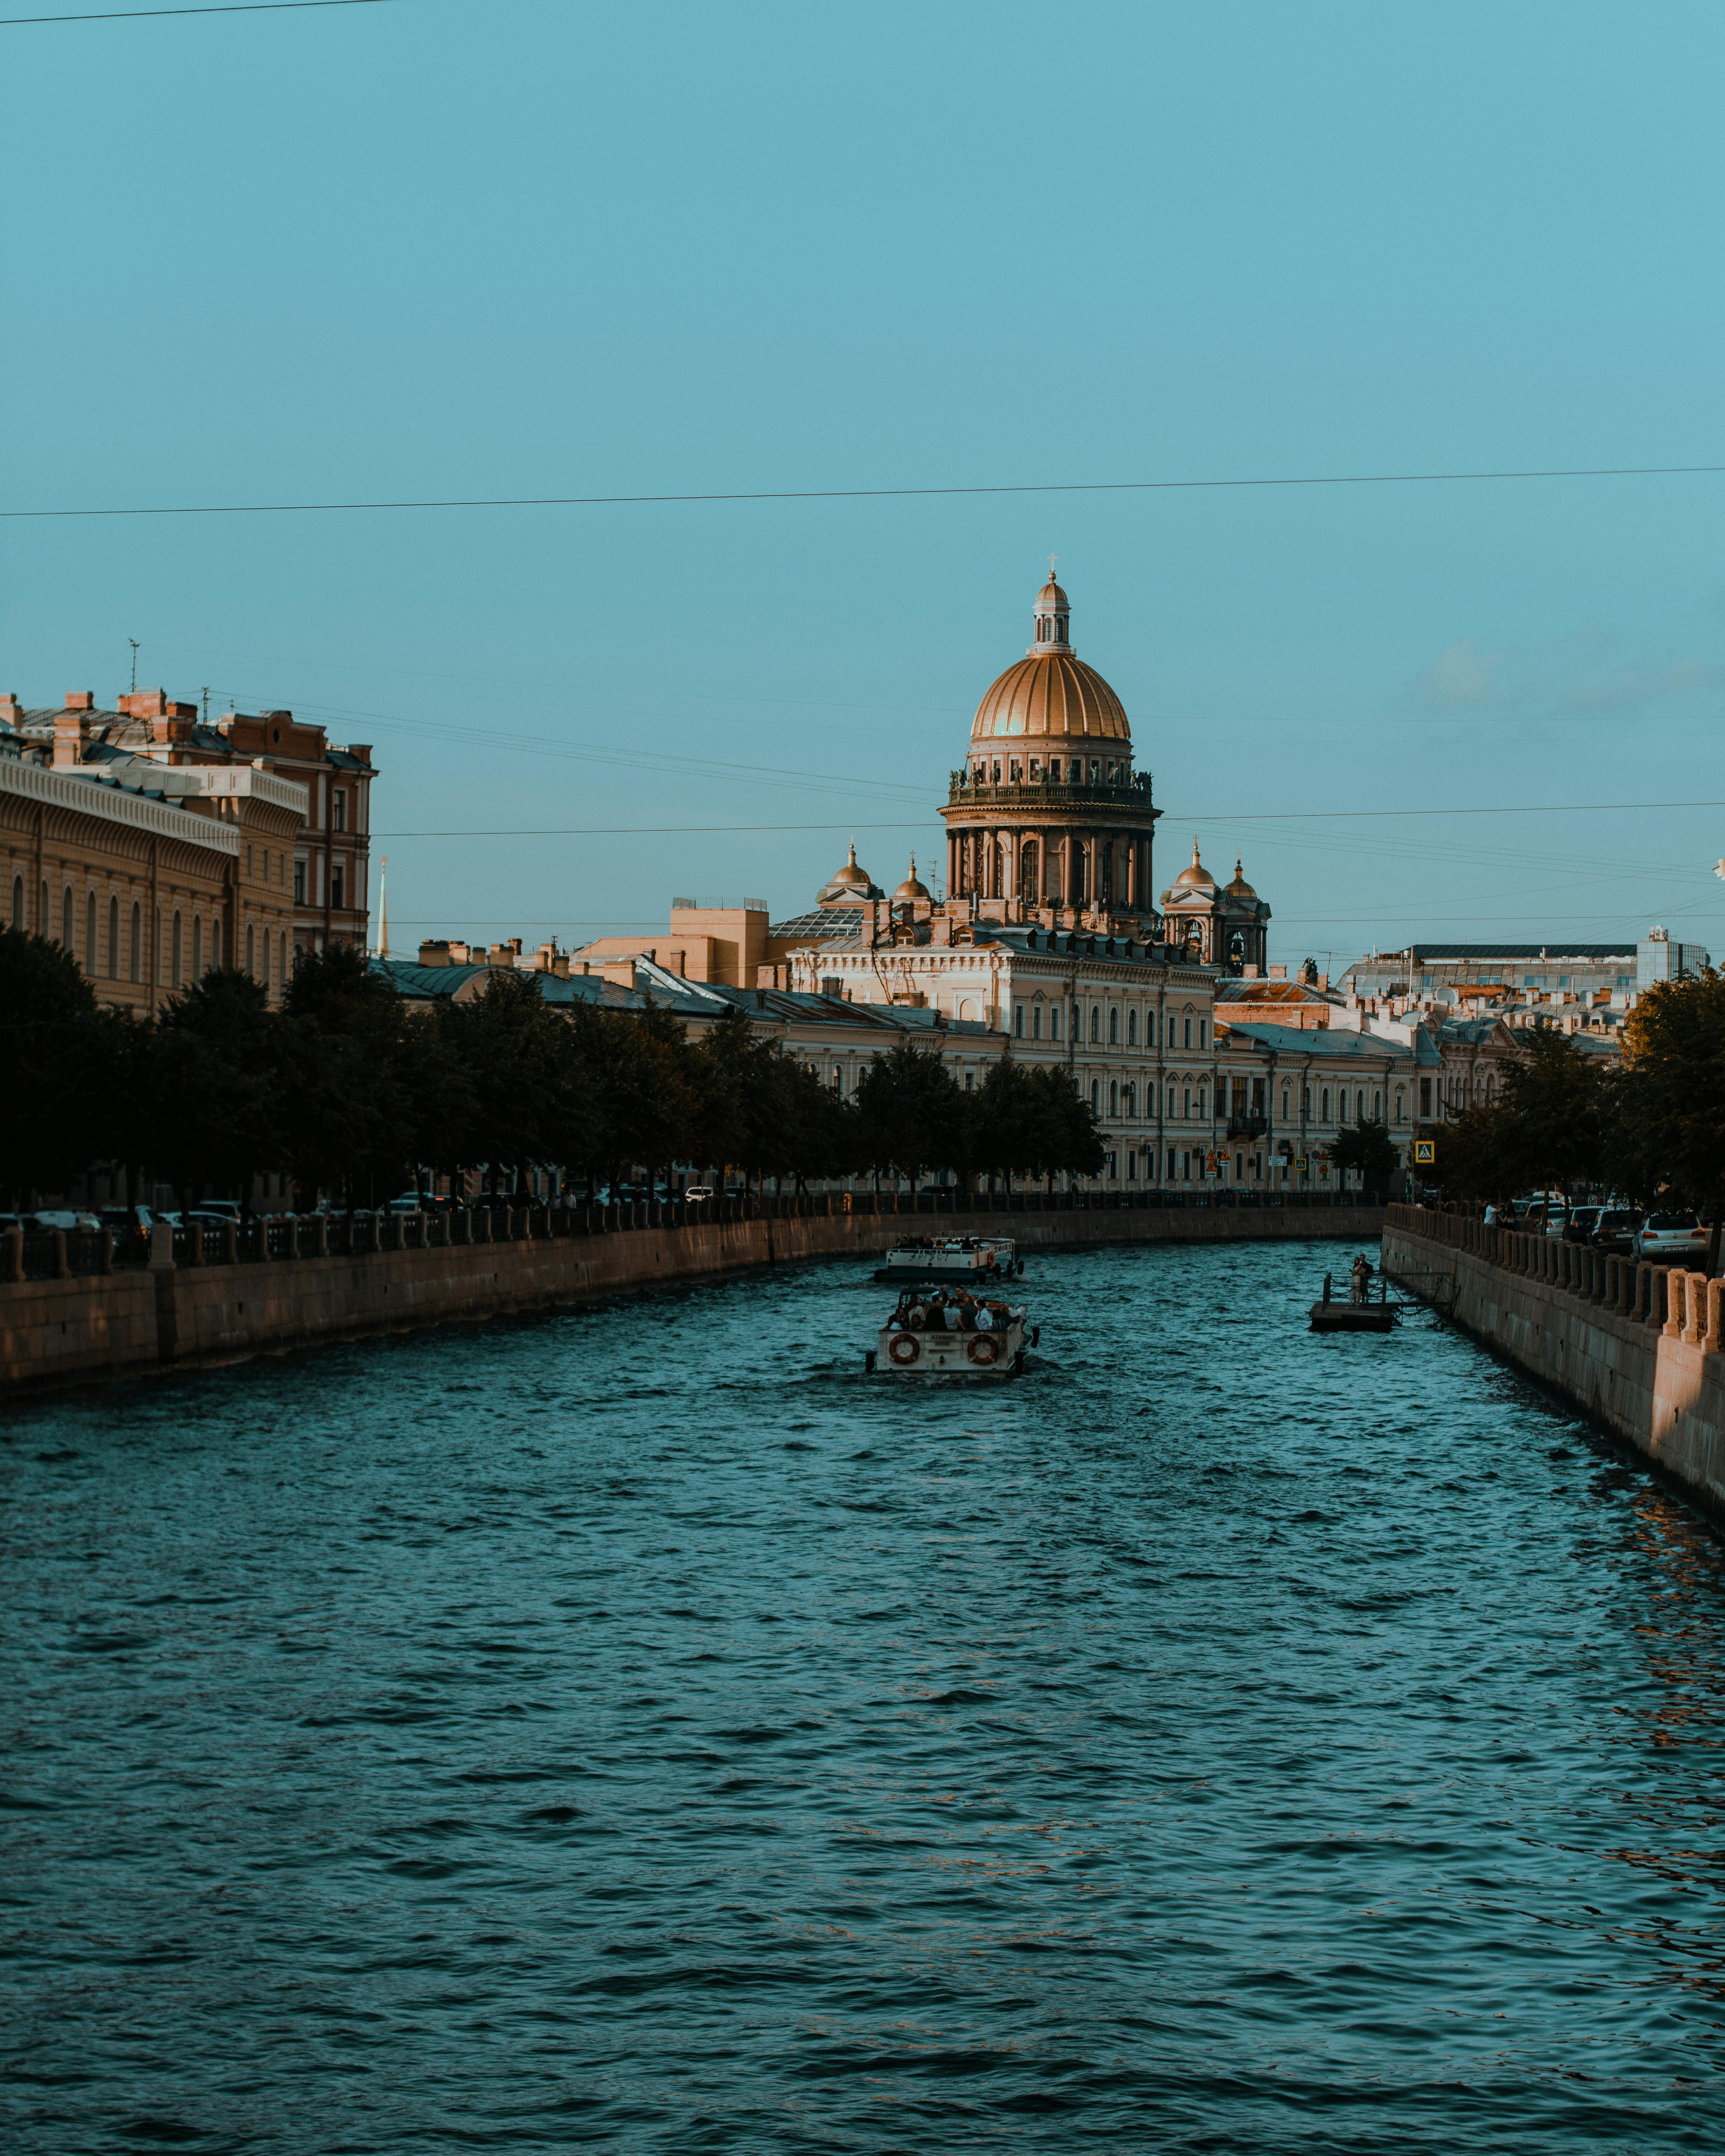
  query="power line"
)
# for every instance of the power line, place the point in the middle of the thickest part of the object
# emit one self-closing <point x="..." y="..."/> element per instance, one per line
<point x="149" y="14"/>
<point x="869" y="493"/>
<point x="1280" y="816"/>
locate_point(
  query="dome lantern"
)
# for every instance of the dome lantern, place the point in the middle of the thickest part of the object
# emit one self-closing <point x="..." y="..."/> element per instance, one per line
<point x="910" y="890"/>
<point x="1054" y="618"/>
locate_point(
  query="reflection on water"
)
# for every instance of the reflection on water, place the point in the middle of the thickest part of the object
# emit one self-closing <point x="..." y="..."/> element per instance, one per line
<point x="639" y="1729"/>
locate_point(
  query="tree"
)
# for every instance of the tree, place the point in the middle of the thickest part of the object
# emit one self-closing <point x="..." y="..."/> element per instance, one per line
<point x="214" y="1084"/>
<point x="1668" y="1124"/>
<point x="54" y="1045"/>
<point x="517" y="1074"/>
<point x="346" y="1114"/>
<point x="1554" y="1100"/>
<point x="1368" y="1150"/>
<point x="910" y="1113"/>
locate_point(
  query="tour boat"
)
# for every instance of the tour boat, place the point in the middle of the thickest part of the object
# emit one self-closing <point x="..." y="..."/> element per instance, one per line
<point x="934" y="1349"/>
<point x="972" y="1261"/>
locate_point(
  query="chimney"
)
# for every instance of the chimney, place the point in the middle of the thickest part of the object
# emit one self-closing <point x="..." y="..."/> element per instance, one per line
<point x="142" y="703"/>
<point x="79" y="700"/>
<point x="71" y="731"/>
<point x="11" y="711"/>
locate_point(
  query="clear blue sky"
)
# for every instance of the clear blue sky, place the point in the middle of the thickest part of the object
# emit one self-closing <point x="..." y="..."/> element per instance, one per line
<point x="437" y="248"/>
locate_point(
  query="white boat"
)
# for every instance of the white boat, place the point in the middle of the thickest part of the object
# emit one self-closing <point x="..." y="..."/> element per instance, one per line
<point x="990" y="1342"/>
<point x="977" y="1262"/>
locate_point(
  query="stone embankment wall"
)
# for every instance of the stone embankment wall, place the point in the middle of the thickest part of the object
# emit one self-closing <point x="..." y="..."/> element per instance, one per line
<point x="54" y="1332"/>
<point x="1637" y="1346"/>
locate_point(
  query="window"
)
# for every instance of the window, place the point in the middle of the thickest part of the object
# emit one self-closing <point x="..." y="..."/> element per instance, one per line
<point x="1401" y="1105"/>
<point x="1035" y="1021"/>
<point x="174" y="973"/>
<point x="89" y="935"/>
<point x="247" y="864"/>
<point x="1130" y="1099"/>
<point x="1018" y="1020"/>
<point x="969" y="1082"/>
<point x="1113" y="1025"/>
<point x="113" y="939"/>
<point x="1096" y="1022"/>
<point x="266" y="958"/>
<point x="1131" y="1167"/>
<point x="1131" y="1028"/>
<point x="1187" y="1033"/>
<point x="1203" y="1102"/>
<point x="1186" y="1104"/>
<point x="1377" y="1103"/>
<point x="1095" y="1094"/>
<point x="1203" y="1027"/>
<point x="1114" y="1102"/>
<point x="197" y="948"/>
<point x="1425" y="1096"/>
<point x="66" y="942"/>
<point x="298" y="883"/>
<point x="1054" y="1021"/>
<point x="1305" y="1102"/>
<point x="18" y="901"/>
<point x="251" y="951"/>
<point x="338" y="806"/>
<point x="1285" y="1096"/>
<point x="1324" y="1116"/>
<point x="137" y="941"/>
<point x="283" y="944"/>
<point x="1171" y="1157"/>
<point x="336" y="882"/>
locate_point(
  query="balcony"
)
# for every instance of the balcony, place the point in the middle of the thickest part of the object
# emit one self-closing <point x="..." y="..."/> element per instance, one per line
<point x="1247" y="1127"/>
<point x="1037" y="794"/>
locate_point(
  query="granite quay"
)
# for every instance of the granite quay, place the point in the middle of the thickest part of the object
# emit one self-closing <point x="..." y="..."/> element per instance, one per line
<point x="74" y="1307"/>
<point x="1639" y="1346"/>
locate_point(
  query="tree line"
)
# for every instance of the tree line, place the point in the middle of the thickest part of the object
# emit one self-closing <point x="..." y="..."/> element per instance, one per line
<point x="352" y="1091"/>
<point x="1650" y="1129"/>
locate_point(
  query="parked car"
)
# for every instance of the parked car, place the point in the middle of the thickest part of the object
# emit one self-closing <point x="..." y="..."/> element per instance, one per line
<point x="699" y="1193"/>
<point x="70" y="1220"/>
<point x="1557" y="1221"/>
<point x="228" y="1207"/>
<point x="1582" y="1221"/>
<point x="408" y="1202"/>
<point x="1615" y="1229"/>
<point x="1669" y="1237"/>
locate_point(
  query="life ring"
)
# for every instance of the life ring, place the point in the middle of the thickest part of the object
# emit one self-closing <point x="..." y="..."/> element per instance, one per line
<point x="904" y="1347"/>
<point x="983" y="1347"/>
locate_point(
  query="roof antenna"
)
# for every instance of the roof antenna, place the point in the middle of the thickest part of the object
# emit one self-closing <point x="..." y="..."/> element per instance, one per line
<point x="206" y="704"/>
<point x="133" y="642"/>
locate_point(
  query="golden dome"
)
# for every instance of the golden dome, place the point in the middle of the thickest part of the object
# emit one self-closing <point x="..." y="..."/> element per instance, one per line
<point x="1053" y="694"/>
<point x="851" y="873"/>
<point x="1050" y="694"/>
<point x="1196" y="877"/>
<point x="1239" y="888"/>
<point x="910" y="890"/>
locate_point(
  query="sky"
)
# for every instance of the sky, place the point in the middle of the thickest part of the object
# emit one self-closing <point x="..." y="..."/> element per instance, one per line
<point x="436" y="248"/>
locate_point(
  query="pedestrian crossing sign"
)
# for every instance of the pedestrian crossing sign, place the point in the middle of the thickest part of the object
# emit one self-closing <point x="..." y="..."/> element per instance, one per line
<point x="1424" y="1153"/>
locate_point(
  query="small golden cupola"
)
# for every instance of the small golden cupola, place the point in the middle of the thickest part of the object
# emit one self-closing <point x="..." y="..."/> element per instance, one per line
<point x="910" y="890"/>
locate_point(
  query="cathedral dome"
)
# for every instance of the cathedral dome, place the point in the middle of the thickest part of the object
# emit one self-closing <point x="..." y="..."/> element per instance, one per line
<point x="1051" y="693"/>
<point x="850" y="885"/>
<point x="1239" y="888"/>
<point x="1195" y="876"/>
<point x="910" y="890"/>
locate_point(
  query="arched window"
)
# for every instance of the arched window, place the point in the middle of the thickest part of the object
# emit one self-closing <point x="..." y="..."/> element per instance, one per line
<point x="1325" y="1116"/>
<point x="1035" y="1021"/>
<point x="1132" y="1103"/>
<point x="66" y="940"/>
<point x="1096" y="1022"/>
<point x="137" y="941"/>
<point x="1377" y="1104"/>
<point x="113" y="939"/>
<point x="282" y="943"/>
<point x="1054" y="1021"/>
<point x="1113" y="1025"/>
<point x="1401" y="1105"/>
<point x="90" y="937"/>
<point x="1131" y="1028"/>
<point x="251" y="950"/>
<point x="1095" y="1094"/>
<point x="197" y="948"/>
<point x="1114" y="1100"/>
<point x="18" y="901"/>
<point x="1150" y="1028"/>
<point x="174" y="947"/>
<point x="266" y="958"/>
<point x="215" y="943"/>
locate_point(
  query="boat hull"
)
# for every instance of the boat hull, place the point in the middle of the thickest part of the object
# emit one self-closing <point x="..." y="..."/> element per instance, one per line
<point x="1354" y="1317"/>
<point x="937" y="1354"/>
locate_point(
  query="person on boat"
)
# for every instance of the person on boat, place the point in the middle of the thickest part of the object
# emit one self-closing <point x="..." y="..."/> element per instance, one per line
<point x="1362" y="1272"/>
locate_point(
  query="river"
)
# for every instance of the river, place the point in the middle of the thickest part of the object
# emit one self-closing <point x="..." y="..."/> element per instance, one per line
<point x="638" y="1730"/>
